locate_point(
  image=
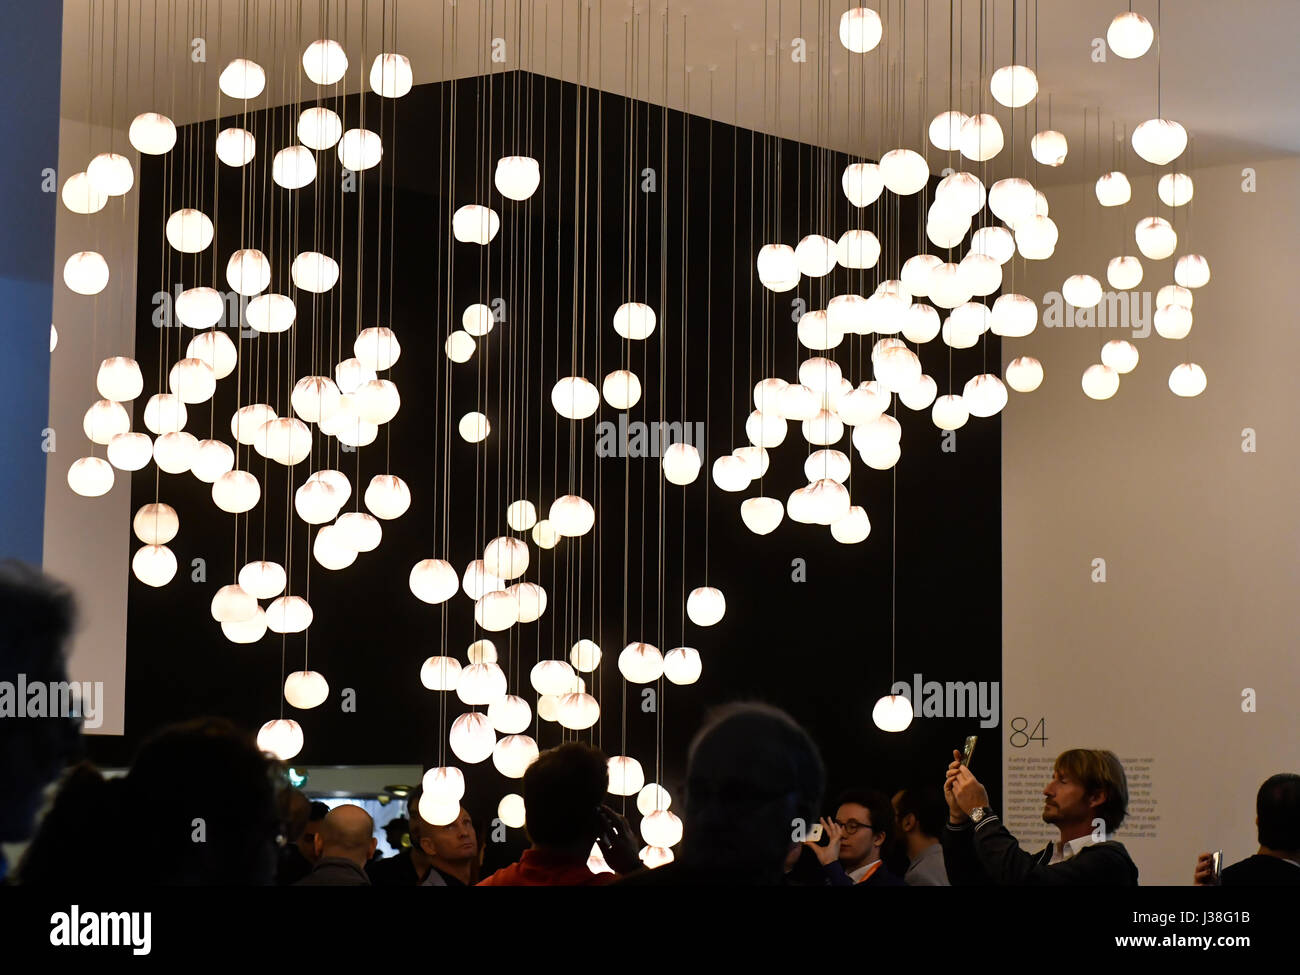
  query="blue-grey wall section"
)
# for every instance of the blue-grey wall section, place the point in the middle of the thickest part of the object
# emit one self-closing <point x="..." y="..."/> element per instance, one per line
<point x="30" y="52"/>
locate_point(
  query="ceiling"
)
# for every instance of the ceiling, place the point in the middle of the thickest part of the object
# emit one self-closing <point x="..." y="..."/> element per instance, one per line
<point x="1227" y="70"/>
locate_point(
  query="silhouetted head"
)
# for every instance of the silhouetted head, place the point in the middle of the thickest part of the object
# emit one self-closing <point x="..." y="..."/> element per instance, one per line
<point x="563" y="792"/>
<point x="920" y="809"/>
<point x="36" y="618"/>
<point x="293" y="808"/>
<point x="1277" y="808"/>
<point x="199" y="802"/>
<point x="307" y="839"/>
<point x="754" y="777"/>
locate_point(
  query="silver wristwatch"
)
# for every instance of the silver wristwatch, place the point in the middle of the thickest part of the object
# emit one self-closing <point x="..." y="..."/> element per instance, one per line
<point x="977" y="815"/>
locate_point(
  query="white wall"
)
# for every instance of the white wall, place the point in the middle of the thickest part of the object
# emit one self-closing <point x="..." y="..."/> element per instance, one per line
<point x="1200" y="538"/>
<point x="88" y="540"/>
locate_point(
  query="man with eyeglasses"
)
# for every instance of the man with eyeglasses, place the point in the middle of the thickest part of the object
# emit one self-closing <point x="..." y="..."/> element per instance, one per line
<point x="859" y="833"/>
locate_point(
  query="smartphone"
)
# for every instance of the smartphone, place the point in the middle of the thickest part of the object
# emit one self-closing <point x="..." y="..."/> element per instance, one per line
<point x="1216" y="867"/>
<point x="968" y="749"/>
<point x="815" y="833"/>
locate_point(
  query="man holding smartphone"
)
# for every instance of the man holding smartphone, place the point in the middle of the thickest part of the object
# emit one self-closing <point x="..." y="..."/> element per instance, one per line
<point x="1277" y="863"/>
<point x="1087" y="800"/>
<point x="564" y="793"/>
<point x="863" y="824"/>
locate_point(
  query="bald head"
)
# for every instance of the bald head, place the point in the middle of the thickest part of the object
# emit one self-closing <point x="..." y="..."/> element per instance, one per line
<point x="347" y="832"/>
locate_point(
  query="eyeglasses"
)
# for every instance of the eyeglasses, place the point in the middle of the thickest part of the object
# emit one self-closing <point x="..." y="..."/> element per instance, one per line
<point x="852" y="826"/>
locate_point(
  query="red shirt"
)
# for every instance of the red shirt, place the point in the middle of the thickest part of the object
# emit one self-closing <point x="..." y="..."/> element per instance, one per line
<point x="542" y="868"/>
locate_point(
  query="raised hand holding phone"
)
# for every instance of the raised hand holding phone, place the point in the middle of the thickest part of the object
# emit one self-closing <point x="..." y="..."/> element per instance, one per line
<point x="829" y="853"/>
<point x="617" y="841"/>
<point x="955" y="813"/>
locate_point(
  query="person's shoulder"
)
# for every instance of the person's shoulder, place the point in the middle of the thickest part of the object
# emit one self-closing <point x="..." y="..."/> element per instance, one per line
<point x="500" y="878"/>
<point x="1260" y="870"/>
<point x="645" y="877"/>
<point x="883" y="877"/>
<point x="392" y="871"/>
<point x="1112" y="847"/>
<point x="381" y="865"/>
<point x="1119" y="865"/>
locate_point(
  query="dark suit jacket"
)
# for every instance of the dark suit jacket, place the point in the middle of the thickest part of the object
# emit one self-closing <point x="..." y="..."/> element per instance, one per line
<point x="988" y="854"/>
<point x="880" y="877"/>
<point x="335" y="872"/>
<point x="1261" y="871"/>
<point x="394" y="871"/>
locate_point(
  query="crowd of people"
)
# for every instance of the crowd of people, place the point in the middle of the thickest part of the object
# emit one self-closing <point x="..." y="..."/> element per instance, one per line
<point x="202" y="805"/>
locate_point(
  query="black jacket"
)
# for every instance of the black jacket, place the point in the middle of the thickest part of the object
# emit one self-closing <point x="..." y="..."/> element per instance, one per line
<point x="1261" y="871"/>
<point x="335" y="872"/>
<point x="988" y="854"/>
<point x="394" y="871"/>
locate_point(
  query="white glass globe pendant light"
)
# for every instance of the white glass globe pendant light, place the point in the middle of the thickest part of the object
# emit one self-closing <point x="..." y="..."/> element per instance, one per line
<point x="860" y="29"/>
<point x="904" y="172"/>
<point x="892" y="713"/>
<point x="1156" y="238"/>
<point x="325" y="62"/>
<point x="216" y="349"/>
<point x="1175" y="189"/>
<point x="1187" y="380"/>
<point x="391" y="75"/>
<point x="80" y="196"/>
<point x="282" y="738"/>
<point x="778" y="269"/>
<point x="706" y="606"/>
<point x="86" y="273"/>
<point x="981" y="138"/>
<point x="1014" y="85"/>
<point x="154" y="565"/>
<point x="264" y="580"/>
<point x="189" y="230"/>
<point x="1130" y="35"/>
<point x="945" y="130"/>
<point x="949" y="412"/>
<point x="110" y="173"/>
<point x="1100" y="381"/>
<point x="319" y="128"/>
<point x="130" y="451"/>
<point x="91" y="477"/>
<point x="1120" y="355"/>
<point x="862" y="183"/>
<point x="293" y="167"/>
<point x="1123" y="273"/>
<point x="634" y="320"/>
<point x="119" y="379"/>
<point x="1159" y="140"/>
<point x="1049" y="147"/>
<point x="1081" y="290"/>
<point x="242" y="79"/>
<point x="474" y="224"/>
<point x="248" y="271"/>
<point x="306" y="689"/>
<point x="1192" y="271"/>
<point x="236" y="492"/>
<point x="360" y="149"/>
<point x="1113" y="189"/>
<point x="236" y="147"/>
<point x="681" y="463"/>
<point x="1024" y="374"/>
<point x="517" y="177"/>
